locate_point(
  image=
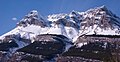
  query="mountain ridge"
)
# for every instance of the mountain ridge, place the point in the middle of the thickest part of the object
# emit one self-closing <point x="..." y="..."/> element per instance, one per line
<point x="61" y="34"/>
<point x="95" y="20"/>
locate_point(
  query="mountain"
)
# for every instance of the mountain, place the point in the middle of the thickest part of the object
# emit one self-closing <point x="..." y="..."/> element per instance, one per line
<point x="29" y="26"/>
<point x="33" y="18"/>
<point x="36" y="38"/>
<point x="32" y="25"/>
<point x="100" y="21"/>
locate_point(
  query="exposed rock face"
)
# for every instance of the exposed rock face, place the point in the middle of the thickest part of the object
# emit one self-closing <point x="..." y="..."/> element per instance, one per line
<point x="32" y="18"/>
<point x="106" y="46"/>
<point x="99" y="38"/>
<point x="66" y="23"/>
<point x="99" y="20"/>
<point x="70" y="20"/>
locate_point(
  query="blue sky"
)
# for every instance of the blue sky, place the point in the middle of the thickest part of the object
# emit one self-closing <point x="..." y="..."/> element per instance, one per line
<point x="19" y="8"/>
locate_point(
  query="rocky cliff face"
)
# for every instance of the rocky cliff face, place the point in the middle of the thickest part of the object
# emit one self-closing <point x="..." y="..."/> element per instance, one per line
<point x="100" y="20"/>
<point x="33" y="18"/>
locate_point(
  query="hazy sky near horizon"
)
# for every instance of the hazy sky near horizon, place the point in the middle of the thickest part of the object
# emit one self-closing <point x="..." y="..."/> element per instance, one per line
<point x="11" y="11"/>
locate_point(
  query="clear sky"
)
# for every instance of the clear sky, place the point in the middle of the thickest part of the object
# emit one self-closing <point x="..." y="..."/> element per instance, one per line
<point x="12" y="9"/>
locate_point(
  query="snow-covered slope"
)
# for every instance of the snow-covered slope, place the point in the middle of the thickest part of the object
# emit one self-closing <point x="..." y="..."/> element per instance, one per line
<point x="32" y="25"/>
<point x="98" y="20"/>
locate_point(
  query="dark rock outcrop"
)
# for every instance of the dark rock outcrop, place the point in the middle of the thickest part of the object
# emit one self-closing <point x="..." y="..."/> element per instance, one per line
<point x="45" y="47"/>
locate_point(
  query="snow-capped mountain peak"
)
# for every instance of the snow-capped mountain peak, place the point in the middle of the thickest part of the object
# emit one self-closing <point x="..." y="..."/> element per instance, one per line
<point x="33" y="18"/>
<point x="34" y="12"/>
<point x="101" y="21"/>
